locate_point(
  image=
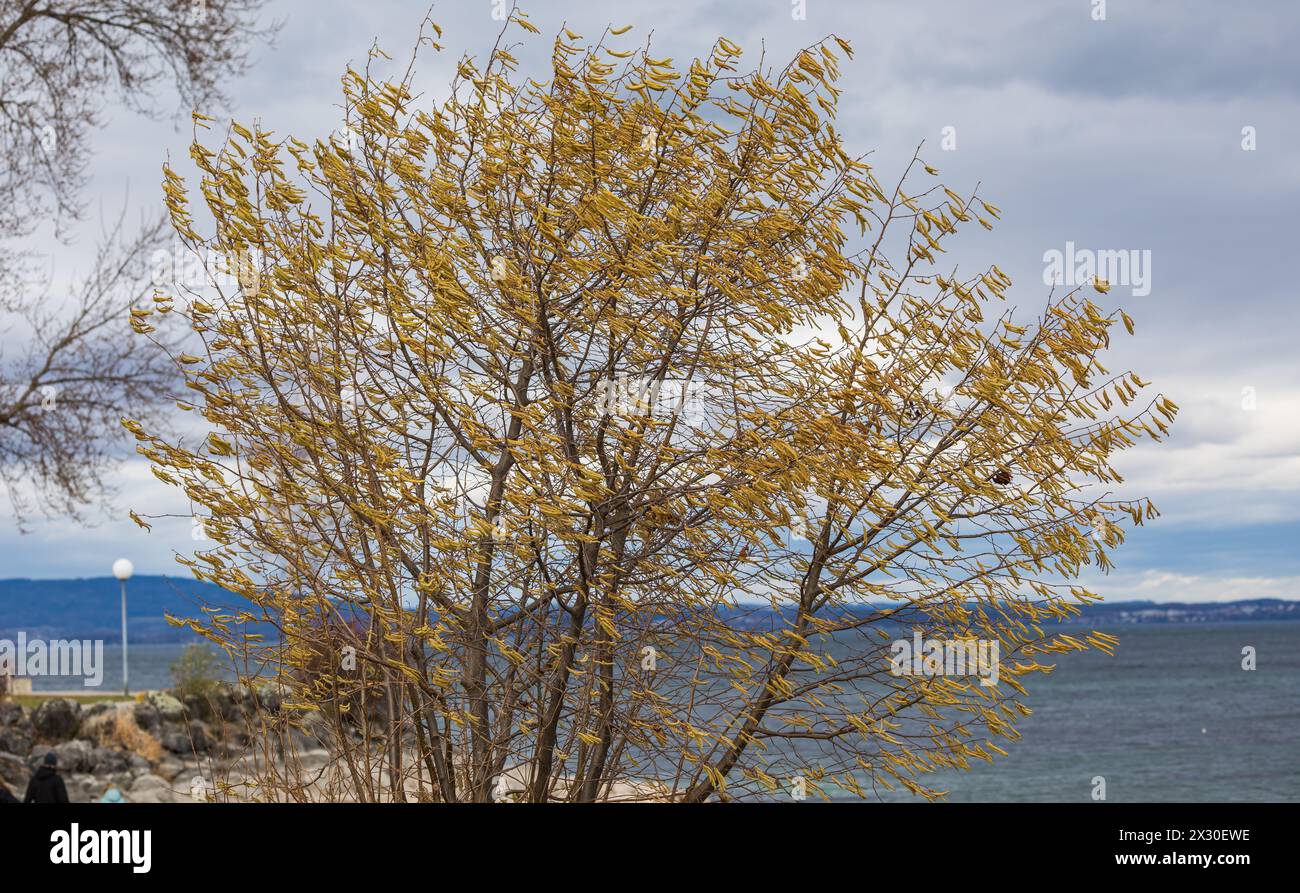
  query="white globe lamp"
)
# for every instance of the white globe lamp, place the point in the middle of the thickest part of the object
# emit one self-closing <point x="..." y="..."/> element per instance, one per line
<point x="123" y="569"/>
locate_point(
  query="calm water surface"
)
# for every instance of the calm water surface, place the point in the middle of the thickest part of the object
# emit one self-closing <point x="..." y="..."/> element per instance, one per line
<point x="1171" y="717"/>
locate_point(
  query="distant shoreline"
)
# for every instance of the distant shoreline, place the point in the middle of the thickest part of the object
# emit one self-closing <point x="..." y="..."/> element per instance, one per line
<point x="88" y="608"/>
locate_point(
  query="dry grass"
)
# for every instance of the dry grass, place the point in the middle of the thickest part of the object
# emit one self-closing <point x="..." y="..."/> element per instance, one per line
<point x="127" y="734"/>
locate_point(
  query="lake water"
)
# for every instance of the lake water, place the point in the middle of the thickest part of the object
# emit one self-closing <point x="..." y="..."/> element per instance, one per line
<point x="150" y="666"/>
<point x="1171" y="717"/>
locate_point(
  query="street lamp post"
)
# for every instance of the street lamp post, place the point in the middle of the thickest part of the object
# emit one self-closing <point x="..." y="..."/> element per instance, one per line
<point x="122" y="569"/>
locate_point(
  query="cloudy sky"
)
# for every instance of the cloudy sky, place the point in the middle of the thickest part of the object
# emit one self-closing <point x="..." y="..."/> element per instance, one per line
<point x="1168" y="128"/>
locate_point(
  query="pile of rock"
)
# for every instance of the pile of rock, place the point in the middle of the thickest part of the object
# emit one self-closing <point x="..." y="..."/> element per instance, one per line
<point x="154" y="749"/>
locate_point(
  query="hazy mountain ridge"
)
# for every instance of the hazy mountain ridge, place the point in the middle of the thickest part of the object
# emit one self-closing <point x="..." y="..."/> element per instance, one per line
<point x="1192" y="612"/>
<point x="1119" y="612"/>
<point x="89" y="608"/>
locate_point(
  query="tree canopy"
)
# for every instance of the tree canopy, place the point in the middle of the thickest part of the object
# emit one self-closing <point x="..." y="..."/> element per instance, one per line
<point x="609" y="429"/>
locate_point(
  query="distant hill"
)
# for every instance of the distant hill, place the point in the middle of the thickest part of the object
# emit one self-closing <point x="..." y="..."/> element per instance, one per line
<point x="1104" y="613"/>
<point x="90" y="608"/>
<point x="1191" y="612"/>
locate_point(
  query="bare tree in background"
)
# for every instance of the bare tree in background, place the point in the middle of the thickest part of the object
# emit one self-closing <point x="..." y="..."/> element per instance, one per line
<point x="69" y="370"/>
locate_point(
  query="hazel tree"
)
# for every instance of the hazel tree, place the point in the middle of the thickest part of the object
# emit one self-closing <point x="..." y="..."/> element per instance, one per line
<point x="615" y="426"/>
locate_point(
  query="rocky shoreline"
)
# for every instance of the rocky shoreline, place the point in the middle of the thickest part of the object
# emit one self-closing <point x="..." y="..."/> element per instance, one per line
<point x="155" y="749"/>
<point x="161" y="749"/>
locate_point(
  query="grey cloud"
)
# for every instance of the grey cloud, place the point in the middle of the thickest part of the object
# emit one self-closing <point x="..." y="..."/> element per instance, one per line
<point x="1122" y="134"/>
<point x="1162" y="48"/>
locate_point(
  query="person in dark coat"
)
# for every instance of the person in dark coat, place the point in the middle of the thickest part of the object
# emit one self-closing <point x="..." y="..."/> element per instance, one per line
<point x="46" y="785"/>
<point x="6" y="795"/>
